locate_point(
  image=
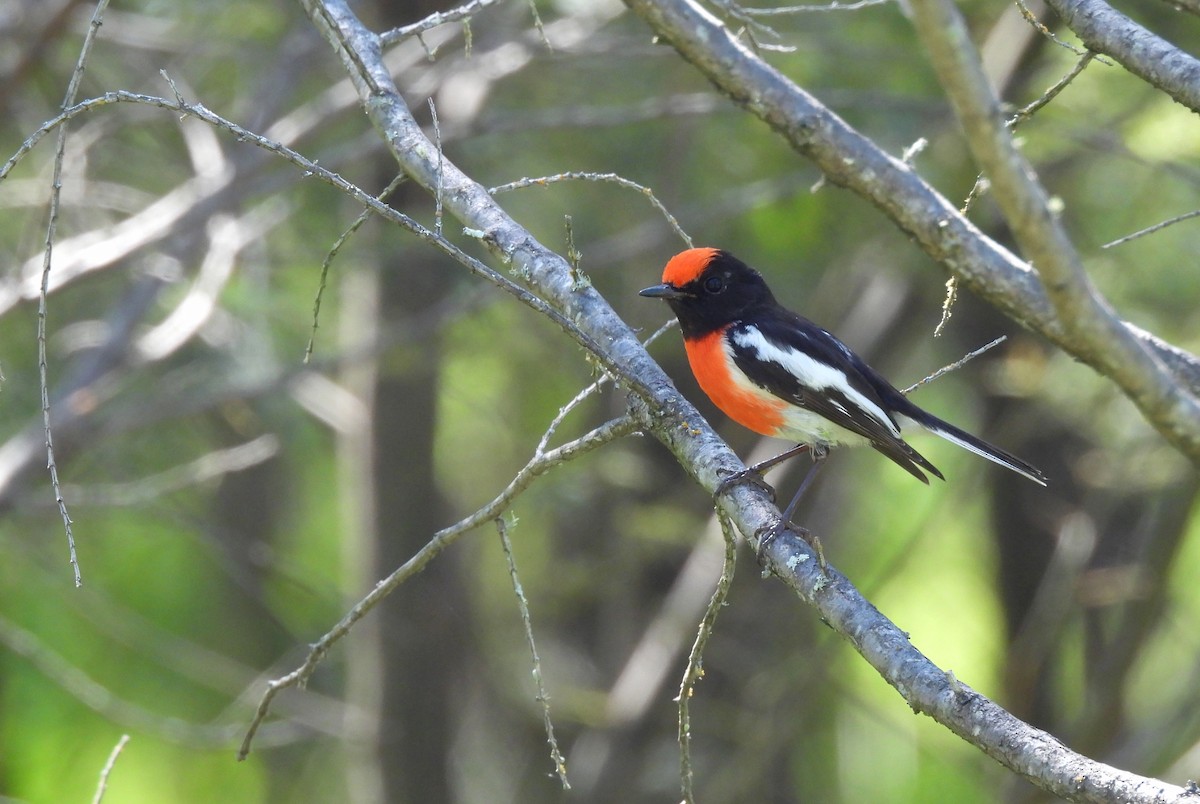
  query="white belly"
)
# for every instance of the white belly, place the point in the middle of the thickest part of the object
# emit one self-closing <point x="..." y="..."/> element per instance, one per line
<point x="805" y="427"/>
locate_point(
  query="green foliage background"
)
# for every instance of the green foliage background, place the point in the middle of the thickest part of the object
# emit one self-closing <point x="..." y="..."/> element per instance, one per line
<point x="194" y="596"/>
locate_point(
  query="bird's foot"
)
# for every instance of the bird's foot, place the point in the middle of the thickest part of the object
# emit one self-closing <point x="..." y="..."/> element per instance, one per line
<point x="752" y="476"/>
<point x="769" y="534"/>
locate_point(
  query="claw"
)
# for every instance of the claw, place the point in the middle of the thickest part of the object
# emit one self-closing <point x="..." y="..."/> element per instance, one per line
<point x="751" y="476"/>
<point x="768" y="535"/>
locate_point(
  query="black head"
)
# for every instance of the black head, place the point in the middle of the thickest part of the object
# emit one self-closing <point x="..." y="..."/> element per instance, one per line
<point x="708" y="289"/>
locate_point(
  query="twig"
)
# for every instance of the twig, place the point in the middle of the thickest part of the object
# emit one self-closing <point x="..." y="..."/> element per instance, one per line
<point x="560" y="764"/>
<point x="957" y="364"/>
<point x="1152" y="229"/>
<point x="579" y="279"/>
<point x="591" y="389"/>
<point x="1043" y="30"/>
<point x="982" y="185"/>
<point x="537" y="22"/>
<point x="102" y="785"/>
<point x="947" y="305"/>
<point x="695" y="664"/>
<point x="1050" y="94"/>
<point x="832" y="6"/>
<point x="463" y="12"/>
<point x="1143" y="53"/>
<point x="751" y="27"/>
<point x="914" y="150"/>
<point x="333" y="252"/>
<point x="576" y="175"/>
<point x="445" y="537"/>
<point x="437" y="190"/>
<point x="55" y="197"/>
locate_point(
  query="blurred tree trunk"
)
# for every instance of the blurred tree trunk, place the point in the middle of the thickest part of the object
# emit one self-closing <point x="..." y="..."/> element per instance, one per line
<point x="404" y="665"/>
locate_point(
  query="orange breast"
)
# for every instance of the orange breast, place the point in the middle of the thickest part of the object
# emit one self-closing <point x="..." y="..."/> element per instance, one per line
<point x="743" y="402"/>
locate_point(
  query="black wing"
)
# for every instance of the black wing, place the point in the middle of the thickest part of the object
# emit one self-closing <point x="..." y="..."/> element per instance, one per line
<point x="787" y="334"/>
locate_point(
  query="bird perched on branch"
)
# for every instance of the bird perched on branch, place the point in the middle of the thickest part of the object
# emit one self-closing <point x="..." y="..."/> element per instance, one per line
<point x="781" y="375"/>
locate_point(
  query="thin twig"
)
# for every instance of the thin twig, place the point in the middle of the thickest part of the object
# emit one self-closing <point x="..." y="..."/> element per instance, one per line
<point x="437" y="190"/>
<point x="947" y="305"/>
<point x="1139" y="50"/>
<point x="591" y="389"/>
<point x="579" y="279"/>
<point x="463" y="12"/>
<point x="833" y="6"/>
<point x="337" y="246"/>
<point x="1152" y="229"/>
<point x="1050" y="94"/>
<point x="982" y="185"/>
<point x="102" y="786"/>
<point x="1023" y="114"/>
<point x="914" y="150"/>
<point x="957" y="364"/>
<point x="1043" y="30"/>
<point x="537" y="22"/>
<point x="695" y="664"/>
<point x="751" y="27"/>
<point x="445" y="537"/>
<point x="577" y="175"/>
<point x="560" y="764"/>
<point x="51" y="227"/>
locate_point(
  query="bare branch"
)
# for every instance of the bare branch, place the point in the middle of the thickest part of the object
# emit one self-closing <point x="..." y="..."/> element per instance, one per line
<point x="462" y="13"/>
<point x="437" y="190"/>
<point x="333" y="252"/>
<point x="1152" y="229"/>
<point x="440" y="541"/>
<point x="1038" y="26"/>
<point x="1143" y="53"/>
<point x="1091" y="328"/>
<point x="591" y="389"/>
<point x="560" y="764"/>
<point x="834" y="5"/>
<point x="51" y="227"/>
<point x="957" y="364"/>
<point x="102" y="785"/>
<point x="695" y="669"/>
<point x="1029" y="110"/>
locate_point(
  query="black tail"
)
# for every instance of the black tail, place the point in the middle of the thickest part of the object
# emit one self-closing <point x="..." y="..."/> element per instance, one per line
<point x="977" y="445"/>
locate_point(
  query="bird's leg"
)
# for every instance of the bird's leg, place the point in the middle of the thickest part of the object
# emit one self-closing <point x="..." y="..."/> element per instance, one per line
<point x="754" y="474"/>
<point x="819" y="454"/>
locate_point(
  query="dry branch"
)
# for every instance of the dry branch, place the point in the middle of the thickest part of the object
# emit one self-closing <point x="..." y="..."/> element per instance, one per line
<point x="1146" y="55"/>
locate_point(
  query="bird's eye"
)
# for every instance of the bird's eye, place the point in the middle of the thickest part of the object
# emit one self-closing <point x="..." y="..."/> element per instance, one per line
<point x="714" y="284"/>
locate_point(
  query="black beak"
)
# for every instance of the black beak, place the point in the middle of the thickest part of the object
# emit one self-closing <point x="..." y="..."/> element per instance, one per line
<point x="663" y="291"/>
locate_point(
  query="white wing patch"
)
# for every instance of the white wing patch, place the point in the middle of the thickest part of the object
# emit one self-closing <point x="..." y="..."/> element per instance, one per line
<point x="810" y="372"/>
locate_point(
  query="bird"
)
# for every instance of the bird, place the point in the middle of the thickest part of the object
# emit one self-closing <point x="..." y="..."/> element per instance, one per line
<point x="779" y="374"/>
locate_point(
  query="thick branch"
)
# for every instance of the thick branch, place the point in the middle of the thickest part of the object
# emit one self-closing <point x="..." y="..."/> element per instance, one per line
<point x="1033" y="753"/>
<point x="1146" y="55"/>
